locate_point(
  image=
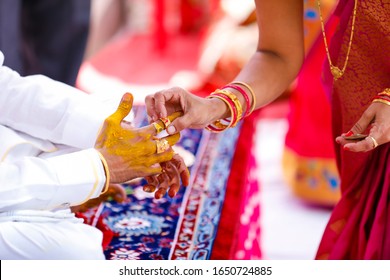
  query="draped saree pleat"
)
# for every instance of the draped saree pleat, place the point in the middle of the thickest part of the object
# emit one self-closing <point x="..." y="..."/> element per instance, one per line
<point x="359" y="227"/>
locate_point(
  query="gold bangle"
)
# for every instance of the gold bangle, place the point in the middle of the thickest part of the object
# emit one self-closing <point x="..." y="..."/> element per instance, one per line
<point x="381" y="101"/>
<point x="253" y="106"/>
<point x="386" y="92"/>
<point x="234" y="99"/>
<point x="218" y="123"/>
<point x="107" y="171"/>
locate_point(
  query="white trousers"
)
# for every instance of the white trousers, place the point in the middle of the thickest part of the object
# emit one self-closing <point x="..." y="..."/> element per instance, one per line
<point x="62" y="240"/>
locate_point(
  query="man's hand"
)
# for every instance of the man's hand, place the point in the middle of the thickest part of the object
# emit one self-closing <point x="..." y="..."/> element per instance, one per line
<point x="131" y="152"/>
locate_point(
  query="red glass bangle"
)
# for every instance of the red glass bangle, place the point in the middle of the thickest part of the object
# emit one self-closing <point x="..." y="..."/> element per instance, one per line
<point x="233" y="108"/>
<point x="244" y="94"/>
<point x="382" y="96"/>
<point x="250" y="91"/>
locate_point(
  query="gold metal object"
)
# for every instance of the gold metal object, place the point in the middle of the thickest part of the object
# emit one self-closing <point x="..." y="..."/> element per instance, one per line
<point x="162" y="145"/>
<point x="158" y="127"/>
<point x="374" y="142"/>
<point x="385" y="92"/>
<point x="253" y="106"/>
<point x="378" y="100"/>
<point x="356" y="136"/>
<point x="165" y="121"/>
<point x="336" y="71"/>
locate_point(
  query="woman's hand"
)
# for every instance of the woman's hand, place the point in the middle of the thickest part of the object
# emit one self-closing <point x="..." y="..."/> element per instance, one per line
<point x="375" y="123"/>
<point x="197" y="112"/>
<point x="132" y="152"/>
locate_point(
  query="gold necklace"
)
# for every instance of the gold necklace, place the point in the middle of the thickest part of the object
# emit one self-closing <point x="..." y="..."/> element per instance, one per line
<point x="336" y="71"/>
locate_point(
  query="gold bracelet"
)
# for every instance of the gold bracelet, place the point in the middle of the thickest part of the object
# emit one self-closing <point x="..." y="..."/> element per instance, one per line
<point x="253" y="106"/>
<point x="234" y="99"/>
<point x="218" y="123"/>
<point x="386" y="92"/>
<point x="107" y="171"/>
<point x="381" y="101"/>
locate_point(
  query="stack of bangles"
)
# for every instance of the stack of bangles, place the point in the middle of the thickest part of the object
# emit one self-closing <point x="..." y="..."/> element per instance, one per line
<point x="234" y="105"/>
<point x="382" y="97"/>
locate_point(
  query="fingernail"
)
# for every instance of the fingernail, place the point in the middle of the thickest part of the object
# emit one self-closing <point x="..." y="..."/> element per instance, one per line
<point x="349" y="133"/>
<point x="171" y="129"/>
<point x="154" y="118"/>
<point x="346" y="148"/>
<point x="126" y="97"/>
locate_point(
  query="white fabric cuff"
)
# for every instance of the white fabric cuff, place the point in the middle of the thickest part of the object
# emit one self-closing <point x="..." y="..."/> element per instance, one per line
<point x="81" y="175"/>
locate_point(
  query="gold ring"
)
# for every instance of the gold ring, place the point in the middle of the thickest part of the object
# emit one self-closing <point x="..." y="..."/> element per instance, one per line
<point x="158" y="127"/>
<point x="165" y="121"/>
<point x="162" y="145"/>
<point x="373" y="141"/>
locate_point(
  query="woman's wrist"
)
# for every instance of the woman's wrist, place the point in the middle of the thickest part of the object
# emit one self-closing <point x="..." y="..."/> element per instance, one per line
<point x="218" y="109"/>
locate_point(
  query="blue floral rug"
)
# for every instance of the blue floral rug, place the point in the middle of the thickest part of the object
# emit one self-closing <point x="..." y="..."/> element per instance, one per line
<point x="183" y="227"/>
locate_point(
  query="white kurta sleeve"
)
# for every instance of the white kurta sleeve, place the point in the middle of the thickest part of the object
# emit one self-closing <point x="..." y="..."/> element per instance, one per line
<point x="35" y="183"/>
<point x="50" y="110"/>
<point x="56" y="113"/>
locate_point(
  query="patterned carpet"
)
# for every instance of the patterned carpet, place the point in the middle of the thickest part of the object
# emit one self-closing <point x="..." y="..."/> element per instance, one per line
<point x="186" y="226"/>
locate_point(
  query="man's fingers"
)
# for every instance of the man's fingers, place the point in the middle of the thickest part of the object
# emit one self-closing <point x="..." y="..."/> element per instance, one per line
<point x="165" y="143"/>
<point x="158" y="158"/>
<point x="151" y="184"/>
<point x="124" y="108"/>
<point x="173" y="189"/>
<point x="175" y="115"/>
<point x="174" y="177"/>
<point x="163" y="187"/>
<point x="117" y="192"/>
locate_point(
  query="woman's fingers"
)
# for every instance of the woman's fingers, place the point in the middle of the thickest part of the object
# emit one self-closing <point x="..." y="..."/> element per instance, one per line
<point x="372" y="130"/>
<point x="163" y="103"/>
<point x="367" y="144"/>
<point x="150" y="108"/>
<point x="160" y="124"/>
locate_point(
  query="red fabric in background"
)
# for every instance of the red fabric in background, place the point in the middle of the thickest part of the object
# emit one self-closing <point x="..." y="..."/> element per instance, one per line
<point x="229" y="240"/>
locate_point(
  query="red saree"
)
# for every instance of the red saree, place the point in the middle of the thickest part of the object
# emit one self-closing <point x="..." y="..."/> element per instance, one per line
<point x="359" y="227"/>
